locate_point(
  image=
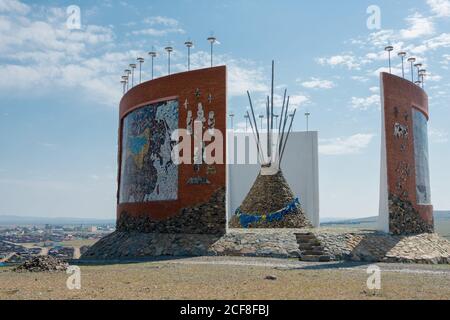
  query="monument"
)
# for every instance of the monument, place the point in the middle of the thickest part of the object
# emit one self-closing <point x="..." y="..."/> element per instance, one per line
<point x="405" y="198"/>
<point x="270" y="202"/>
<point x="165" y="207"/>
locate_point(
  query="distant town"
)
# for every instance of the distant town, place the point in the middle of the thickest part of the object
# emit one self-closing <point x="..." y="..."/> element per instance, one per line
<point x="21" y="242"/>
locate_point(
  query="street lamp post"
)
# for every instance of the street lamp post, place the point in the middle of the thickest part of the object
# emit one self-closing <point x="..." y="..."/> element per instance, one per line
<point x="152" y="54"/>
<point x="411" y="61"/>
<point x="212" y="40"/>
<point x="402" y="55"/>
<point x="141" y="61"/>
<point x="133" y="67"/>
<point x="389" y="49"/>
<point x="189" y="45"/>
<point x="169" y="51"/>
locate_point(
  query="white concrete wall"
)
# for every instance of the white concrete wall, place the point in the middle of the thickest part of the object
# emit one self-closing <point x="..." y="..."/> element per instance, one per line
<point x="300" y="167"/>
<point x="383" y="217"/>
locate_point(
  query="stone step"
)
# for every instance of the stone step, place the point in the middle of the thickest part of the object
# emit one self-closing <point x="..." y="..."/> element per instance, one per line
<point x="307" y="258"/>
<point x="305" y="238"/>
<point x="313" y="258"/>
<point x="313" y="253"/>
<point x="324" y="258"/>
<point x="305" y="246"/>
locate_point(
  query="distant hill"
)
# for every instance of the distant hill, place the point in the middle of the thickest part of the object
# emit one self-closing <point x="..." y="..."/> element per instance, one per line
<point x="7" y="220"/>
<point x="442" y="215"/>
<point x="438" y="216"/>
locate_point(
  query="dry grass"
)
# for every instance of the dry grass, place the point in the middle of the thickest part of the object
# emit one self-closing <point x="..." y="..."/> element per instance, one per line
<point x="169" y="280"/>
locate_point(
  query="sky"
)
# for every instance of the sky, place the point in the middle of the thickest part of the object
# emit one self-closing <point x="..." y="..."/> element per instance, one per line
<point x="60" y="88"/>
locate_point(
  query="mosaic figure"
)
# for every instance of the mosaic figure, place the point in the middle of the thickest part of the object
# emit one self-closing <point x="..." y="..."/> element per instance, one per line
<point x="147" y="172"/>
<point x="401" y="131"/>
<point x="189" y="122"/>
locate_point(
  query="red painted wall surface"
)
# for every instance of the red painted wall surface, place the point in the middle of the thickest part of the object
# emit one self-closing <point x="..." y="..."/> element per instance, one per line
<point x="181" y="86"/>
<point x="400" y="98"/>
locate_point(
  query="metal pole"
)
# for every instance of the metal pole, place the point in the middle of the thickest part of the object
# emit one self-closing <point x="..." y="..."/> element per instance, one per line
<point x="389" y="49"/>
<point x="418" y="66"/>
<point x="189" y="45"/>
<point x="402" y="55"/>
<point x="169" y="50"/>
<point x="232" y="120"/>
<point x="307" y="114"/>
<point x="133" y="67"/>
<point x="269" y="148"/>
<point x="169" y="65"/>
<point x="411" y="61"/>
<point x="212" y="40"/>
<point x="141" y="61"/>
<point x="287" y="137"/>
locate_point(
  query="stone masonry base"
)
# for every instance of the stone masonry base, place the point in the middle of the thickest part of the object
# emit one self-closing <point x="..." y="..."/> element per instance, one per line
<point x="337" y="244"/>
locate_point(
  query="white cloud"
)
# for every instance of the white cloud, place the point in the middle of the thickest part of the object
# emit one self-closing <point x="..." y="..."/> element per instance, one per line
<point x="374" y="89"/>
<point x="419" y="26"/>
<point x="346" y="60"/>
<point x="13" y="6"/>
<point x="395" y="70"/>
<point x="158" y="32"/>
<point x="316" y="83"/>
<point x="298" y="100"/>
<point x="440" y="7"/>
<point x="42" y="53"/>
<point x="345" y="145"/>
<point x="366" y="103"/>
<point x="159" y="20"/>
<point x="438" y="136"/>
<point x="445" y="59"/>
<point x="242" y="74"/>
<point x="360" y="79"/>
<point x="165" y="26"/>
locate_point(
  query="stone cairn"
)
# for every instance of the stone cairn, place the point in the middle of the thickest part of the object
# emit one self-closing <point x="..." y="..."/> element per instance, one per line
<point x="271" y="202"/>
<point x="42" y="264"/>
<point x="404" y="219"/>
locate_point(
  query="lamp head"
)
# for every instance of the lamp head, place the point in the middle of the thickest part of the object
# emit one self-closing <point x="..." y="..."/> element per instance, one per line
<point x="389" y="48"/>
<point x="140" y="60"/>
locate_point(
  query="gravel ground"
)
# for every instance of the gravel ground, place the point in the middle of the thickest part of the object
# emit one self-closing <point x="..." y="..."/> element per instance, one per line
<point x="230" y="278"/>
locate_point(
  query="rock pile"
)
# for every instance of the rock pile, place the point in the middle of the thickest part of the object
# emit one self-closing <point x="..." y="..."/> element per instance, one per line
<point x="205" y="218"/>
<point x="270" y="194"/>
<point x="404" y="219"/>
<point x="42" y="264"/>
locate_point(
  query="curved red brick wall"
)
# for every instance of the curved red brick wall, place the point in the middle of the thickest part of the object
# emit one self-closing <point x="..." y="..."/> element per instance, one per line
<point x="194" y="87"/>
<point x="401" y="97"/>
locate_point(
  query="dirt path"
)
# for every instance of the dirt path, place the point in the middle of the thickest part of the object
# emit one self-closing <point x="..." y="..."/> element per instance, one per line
<point x="76" y="253"/>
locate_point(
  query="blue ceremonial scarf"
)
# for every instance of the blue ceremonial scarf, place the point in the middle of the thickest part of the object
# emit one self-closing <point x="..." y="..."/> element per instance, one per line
<point x="247" y="219"/>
